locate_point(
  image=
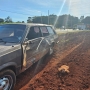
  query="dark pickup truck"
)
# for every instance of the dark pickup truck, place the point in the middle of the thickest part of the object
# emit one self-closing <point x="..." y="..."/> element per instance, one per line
<point x="21" y="45"/>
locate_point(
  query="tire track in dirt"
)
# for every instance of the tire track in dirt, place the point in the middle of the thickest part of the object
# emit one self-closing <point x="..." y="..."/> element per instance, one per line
<point x="79" y="66"/>
<point x="66" y="53"/>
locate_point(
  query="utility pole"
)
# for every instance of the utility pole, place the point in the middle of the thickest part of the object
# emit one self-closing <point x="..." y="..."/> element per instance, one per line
<point x="41" y="17"/>
<point x="48" y="17"/>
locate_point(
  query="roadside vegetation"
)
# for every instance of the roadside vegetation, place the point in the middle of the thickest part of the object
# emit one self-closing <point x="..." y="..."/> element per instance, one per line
<point x="68" y="21"/>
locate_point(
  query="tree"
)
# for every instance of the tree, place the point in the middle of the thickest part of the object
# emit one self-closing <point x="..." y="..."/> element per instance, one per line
<point x="81" y="18"/>
<point x="52" y="19"/>
<point x="23" y="22"/>
<point x="66" y="20"/>
<point x="1" y="20"/>
<point x="29" y="20"/>
<point x="86" y="20"/>
<point x="44" y="19"/>
<point x="8" y="20"/>
<point x="37" y="19"/>
<point x="63" y="20"/>
<point x="18" y="22"/>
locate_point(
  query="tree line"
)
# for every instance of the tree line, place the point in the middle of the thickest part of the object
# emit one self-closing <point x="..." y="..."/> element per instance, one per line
<point x="63" y="20"/>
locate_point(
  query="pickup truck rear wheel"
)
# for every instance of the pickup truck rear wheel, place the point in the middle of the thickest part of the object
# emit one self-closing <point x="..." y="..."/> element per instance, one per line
<point x="7" y="80"/>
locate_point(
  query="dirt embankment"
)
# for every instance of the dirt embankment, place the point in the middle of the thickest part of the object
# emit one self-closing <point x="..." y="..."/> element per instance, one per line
<point x="73" y="50"/>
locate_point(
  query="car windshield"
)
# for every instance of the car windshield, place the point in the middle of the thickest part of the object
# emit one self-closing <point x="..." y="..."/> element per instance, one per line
<point x="11" y="33"/>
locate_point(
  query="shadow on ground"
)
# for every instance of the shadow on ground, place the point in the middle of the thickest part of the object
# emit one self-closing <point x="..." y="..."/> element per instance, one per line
<point x="26" y="76"/>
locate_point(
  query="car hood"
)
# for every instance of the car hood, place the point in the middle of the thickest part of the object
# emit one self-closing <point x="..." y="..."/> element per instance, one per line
<point x="8" y="47"/>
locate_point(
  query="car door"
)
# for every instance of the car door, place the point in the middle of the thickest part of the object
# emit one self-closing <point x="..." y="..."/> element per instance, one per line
<point x="32" y="50"/>
<point x="45" y="42"/>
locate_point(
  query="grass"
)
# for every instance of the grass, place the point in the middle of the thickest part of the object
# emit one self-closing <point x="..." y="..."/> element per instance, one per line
<point x="66" y="31"/>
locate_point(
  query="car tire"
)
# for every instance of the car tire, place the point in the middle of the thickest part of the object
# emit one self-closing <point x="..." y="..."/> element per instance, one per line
<point x="7" y="80"/>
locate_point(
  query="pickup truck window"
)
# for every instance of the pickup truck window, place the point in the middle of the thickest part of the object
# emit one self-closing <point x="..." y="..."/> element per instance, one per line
<point x="11" y="33"/>
<point x="34" y="33"/>
<point x="51" y="32"/>
<point x="44" y="31"/>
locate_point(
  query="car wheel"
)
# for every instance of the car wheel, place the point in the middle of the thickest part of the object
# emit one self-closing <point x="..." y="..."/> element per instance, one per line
<point x="7" y="80"/>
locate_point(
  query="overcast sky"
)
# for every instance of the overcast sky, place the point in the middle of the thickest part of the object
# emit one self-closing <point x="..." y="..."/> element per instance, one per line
<point x="19" y="10"/>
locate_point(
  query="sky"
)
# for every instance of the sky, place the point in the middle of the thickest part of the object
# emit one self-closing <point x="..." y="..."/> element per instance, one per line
<point x="20" y="10"/>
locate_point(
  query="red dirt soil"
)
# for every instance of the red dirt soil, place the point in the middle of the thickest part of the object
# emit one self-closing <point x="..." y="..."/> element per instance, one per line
<point x="73" y="50"/>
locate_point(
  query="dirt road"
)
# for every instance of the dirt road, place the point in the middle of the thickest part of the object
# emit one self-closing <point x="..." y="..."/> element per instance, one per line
<point x="73" y="50"/>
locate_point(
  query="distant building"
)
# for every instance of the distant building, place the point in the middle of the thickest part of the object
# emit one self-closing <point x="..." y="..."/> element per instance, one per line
<point x="81" y="26"/>
<point x="88" y="26"/>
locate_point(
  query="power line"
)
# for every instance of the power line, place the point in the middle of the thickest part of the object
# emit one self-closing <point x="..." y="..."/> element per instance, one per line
<point x="15" y="12"/>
